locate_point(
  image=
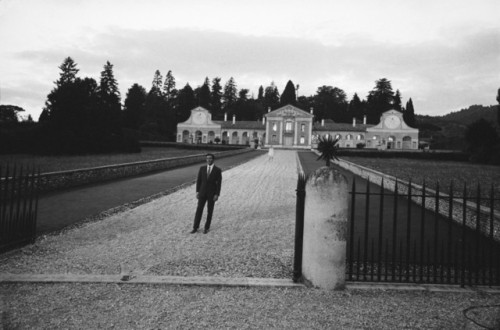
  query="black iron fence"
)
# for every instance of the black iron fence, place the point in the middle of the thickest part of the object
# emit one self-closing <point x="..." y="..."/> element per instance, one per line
<point x="299" y="226"/>
<point x="419" y="235"/>
<point x="18" y="206"/>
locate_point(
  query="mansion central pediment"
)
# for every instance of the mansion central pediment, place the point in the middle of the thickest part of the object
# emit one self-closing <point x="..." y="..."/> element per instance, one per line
<point x="289" y="111"/>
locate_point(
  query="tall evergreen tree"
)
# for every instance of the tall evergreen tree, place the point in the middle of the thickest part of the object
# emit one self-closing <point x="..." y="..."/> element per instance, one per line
<point x="186" y="101"/>
<point x="203" y="95"/>
<point x="409" y="114"/>
<point x="288" y="96"/>
<point x="66" y="76"/>
<point x="134" y="111"/>
<point x="157" y="84"/>
<point x="229" y="97"/>
<point x="108" y="117"/>
<point x="68" y="71"/>
<point x="159" y="116"/>
<point x="73" y="117"/>
<point x="216" y="98"/>
<point x="379" y="100"/>
<point x="246" y="108"/>
<point x="260" y="96"/>
<point x="356" y="107"/>
<point x="397" y="101"/>
<point x="169" y="90"/>
<point x="271" y="97"/>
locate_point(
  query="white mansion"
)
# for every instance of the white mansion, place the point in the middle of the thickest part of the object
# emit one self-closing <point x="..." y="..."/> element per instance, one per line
<point x="291" y="127"/>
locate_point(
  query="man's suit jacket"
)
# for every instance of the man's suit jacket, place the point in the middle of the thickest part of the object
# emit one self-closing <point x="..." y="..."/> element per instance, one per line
<point x="209" y="186"/>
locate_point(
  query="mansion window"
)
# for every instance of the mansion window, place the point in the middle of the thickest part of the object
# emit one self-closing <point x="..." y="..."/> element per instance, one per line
<point x="302" y="139"/>
<point x="338" y="137"/>
<point x="274" y="139"/>
<point x="288" y="126"/>
<point x="275" y="127"/>
<point x="302" y="128"/>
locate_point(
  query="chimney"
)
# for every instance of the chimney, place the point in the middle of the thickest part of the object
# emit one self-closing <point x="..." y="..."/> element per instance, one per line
<point x="353" y="121"/>
<point x="364" y="120"/>
<point x="268" y="109"/>
<point x="312" y="110"/>
<point x="234" y="119"/>
<point x="225" y="116"/>
<point x="322" y="122"/>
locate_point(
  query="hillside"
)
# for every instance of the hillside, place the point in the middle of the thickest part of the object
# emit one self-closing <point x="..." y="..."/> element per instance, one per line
<point x="447" y="132"/>
<point x="472" y="114"/>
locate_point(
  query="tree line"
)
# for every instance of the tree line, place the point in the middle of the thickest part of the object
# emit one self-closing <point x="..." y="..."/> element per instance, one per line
<point x="85" y="115"/>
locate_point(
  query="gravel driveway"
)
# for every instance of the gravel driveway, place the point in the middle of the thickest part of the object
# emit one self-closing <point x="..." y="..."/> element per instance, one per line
<point x="252" y="232"/>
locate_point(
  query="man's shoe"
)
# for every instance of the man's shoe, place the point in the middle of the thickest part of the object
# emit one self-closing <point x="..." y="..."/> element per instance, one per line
<point x="205" y="231"/>
<point x="193" y="231"/>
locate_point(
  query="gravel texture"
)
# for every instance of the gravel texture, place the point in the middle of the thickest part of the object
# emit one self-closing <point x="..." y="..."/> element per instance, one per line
<point x="111" y="306"/>
<point x="252" y="233"/>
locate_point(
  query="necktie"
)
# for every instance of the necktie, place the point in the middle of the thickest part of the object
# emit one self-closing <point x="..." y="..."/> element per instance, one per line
<point x="209" y="169"/>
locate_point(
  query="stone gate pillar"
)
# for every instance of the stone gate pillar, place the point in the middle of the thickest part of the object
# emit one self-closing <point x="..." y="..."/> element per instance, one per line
<point x="325" y="229"/>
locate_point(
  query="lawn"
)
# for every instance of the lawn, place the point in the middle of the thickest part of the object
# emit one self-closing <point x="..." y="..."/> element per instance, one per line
<point x="62" y="163"/>
<point x="444" y="172"/>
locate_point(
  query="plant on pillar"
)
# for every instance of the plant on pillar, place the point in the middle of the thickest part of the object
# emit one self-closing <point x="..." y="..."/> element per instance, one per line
<point x="327" y="146"/>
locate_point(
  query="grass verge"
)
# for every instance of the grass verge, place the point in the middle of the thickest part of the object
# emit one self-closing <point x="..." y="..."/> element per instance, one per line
<point x="64" y="163"/>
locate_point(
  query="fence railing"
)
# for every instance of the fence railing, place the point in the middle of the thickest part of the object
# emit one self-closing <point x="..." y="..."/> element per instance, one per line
<point x="18" y="206"/>
<point x="456" y="207"/>
<point x="396" y="237"/>
<point x="299" y="226"/>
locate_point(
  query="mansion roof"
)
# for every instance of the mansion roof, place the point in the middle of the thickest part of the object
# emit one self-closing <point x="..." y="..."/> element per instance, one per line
<point x="242" y="124"/>
<point x="340" y="127"/>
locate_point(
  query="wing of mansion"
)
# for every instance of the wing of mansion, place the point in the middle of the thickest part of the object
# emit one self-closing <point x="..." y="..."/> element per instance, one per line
<point x="291" y="127"/>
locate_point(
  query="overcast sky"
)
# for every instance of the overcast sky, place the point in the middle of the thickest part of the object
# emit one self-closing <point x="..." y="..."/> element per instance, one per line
<point x="444" y="54"/>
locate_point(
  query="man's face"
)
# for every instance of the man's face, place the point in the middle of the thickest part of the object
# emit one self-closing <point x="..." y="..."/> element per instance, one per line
<point x="210" y="160"/>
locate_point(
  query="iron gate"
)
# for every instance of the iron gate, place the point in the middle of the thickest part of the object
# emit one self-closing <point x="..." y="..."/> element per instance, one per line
<point x="423" y="236"/>
<point x="18" y="206"/>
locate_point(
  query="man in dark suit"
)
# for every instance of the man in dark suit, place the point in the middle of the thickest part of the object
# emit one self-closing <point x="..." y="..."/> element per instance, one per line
<point x="208" y="187"/>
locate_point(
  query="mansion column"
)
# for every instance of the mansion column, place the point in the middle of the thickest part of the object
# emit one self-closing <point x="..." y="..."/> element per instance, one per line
<point x="281" y="133"/>
<point x="295" y="134"/>
<point x="310" y="133"/>
<point x="267" y="131"/>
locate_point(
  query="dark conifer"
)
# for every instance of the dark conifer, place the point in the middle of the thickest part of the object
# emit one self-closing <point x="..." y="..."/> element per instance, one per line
<point x="216" y="98"/>
<point x="288" y="96"/>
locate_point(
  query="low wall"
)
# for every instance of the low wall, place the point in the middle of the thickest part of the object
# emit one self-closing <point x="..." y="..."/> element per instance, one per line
<point x="457" y="205"/>
<point x="68" y="179"/>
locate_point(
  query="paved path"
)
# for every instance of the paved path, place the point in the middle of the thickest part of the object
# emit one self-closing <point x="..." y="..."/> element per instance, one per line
<point x="65" y="208"/>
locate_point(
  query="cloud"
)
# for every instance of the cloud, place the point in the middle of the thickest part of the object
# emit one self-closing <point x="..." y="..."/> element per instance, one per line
<point x="440" y="76"/>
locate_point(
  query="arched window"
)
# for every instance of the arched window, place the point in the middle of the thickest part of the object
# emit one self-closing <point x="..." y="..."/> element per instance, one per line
<point x="234" y="138"/>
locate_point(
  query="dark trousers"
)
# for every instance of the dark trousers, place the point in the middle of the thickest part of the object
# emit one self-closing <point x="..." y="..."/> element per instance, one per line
<point x="199" y="211"/>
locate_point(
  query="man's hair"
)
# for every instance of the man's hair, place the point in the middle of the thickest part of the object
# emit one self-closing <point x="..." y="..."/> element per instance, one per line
<point x="213" y="157"/>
